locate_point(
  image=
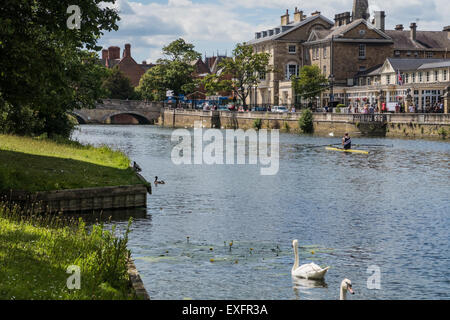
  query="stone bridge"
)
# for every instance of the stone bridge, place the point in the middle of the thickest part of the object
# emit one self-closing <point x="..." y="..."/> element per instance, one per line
<point x="113" y="111"/>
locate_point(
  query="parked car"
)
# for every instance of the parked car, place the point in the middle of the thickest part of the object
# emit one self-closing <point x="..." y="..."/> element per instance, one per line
<point x="280" y="109"/>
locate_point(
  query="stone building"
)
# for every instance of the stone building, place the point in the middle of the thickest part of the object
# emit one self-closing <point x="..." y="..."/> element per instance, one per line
<point x="425" y="80"/>
<point x="285" y="45"/>
<point x="126" y="64"/>
<point x="346" y="50"/>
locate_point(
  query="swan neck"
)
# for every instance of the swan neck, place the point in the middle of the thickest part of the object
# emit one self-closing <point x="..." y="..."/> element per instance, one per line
<point x="296" y="259"/>
<point x="343" y="295"/>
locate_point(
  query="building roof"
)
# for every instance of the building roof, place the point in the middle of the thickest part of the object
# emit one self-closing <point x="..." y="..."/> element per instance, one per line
<point x="373" y="71"/>
<point x="441" y="64"/>
<point x="283" y="30"/>
<point x="424" y="39"/>
<point x="412" y="64"/>
<point x="338" y="31"/>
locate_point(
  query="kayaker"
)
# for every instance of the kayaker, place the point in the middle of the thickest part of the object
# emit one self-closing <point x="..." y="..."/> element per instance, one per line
<point x="347" y="142"/>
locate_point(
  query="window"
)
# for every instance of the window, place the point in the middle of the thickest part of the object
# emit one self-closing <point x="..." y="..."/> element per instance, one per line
<point x="324" y="52"/>
<point x="420" y="77"/>
<point x="368" y="81"/>
<point x="414" y="77"/>
<point x="397" y="53"/>
<point x="291" y="70"/>
<point x="407" y="78"/>
<point x="292" y="49"/>
<point x="262" y="76"/>
<point x="325" y="70"/>
<point x="408" y="53"/>
<point x="429" y="54"/>
<point x="445" y="75"/>
<point x="436" y="76"/>
<point x="428" y="76"/>
<point x="362" y="51"/>
<point x="388" y="79"/>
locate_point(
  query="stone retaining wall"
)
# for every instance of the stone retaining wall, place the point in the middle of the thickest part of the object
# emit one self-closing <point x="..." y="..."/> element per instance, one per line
<point x="405" y="125"/>
<point x="82" y="200"/>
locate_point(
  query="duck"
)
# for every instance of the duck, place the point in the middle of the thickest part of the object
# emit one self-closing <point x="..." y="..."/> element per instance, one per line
<point x="346" y="286"/>
<point x="136" y="167"/>
<point x="159" y="182"/>
<point x="309" y="271"/>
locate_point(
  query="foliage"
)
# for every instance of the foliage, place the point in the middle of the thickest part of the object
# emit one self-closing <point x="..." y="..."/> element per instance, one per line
<point x="442" y="132"/>
<point x="118" y="86"/>
<point x="36" y="251"/>
<point x="173" y="72"/>
<point x="257" y="124"/>
<point x="310" y="83"/>
<point x="45" y="67"/>
<point x="305" y="122"/>
<point x="240" y="73"/>
<point x="24" y="165"/>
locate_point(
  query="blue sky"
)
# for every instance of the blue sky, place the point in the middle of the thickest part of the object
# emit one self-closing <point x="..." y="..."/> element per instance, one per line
<point x="217" y="25"/>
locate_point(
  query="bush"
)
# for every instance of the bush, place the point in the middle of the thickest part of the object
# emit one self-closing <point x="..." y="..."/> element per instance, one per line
<point x="257" y="124"/>
<point x="305" y="122"/>
<point x="442" y="132"/>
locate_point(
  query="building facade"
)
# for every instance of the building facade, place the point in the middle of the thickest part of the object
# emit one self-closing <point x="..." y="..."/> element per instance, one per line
<point x="349" y="51"/>
<point x="126" y="64"/>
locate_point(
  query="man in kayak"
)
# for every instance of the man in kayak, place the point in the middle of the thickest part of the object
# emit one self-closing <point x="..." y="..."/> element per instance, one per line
<point x="347" y="142"/>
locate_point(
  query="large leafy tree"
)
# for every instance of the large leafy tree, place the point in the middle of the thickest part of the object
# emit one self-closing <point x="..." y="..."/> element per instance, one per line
<point x="118" y="86"/>
<point x="239" y="73"/>
<point x="173" y="72"/>
<point x="44" y="65"/>
<point x="310" y="82"/>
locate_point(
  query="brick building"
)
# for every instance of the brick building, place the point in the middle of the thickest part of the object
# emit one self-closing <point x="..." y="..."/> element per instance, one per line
<point x="126" y="64"/>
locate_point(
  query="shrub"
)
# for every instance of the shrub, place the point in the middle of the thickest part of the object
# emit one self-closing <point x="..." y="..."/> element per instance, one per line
<point x="257" y="124"/>
<point x="442" y="132"/>
<point x="305" y="122"/>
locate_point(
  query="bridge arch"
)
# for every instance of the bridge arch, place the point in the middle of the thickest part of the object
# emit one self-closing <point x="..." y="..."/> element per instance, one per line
<point x="127" y="117"/>
<point x="80" y="118"/>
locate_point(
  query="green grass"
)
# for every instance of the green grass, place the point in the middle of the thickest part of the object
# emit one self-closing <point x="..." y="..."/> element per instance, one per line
<point x="35" y="252"/>
<point x="32" y="164"/>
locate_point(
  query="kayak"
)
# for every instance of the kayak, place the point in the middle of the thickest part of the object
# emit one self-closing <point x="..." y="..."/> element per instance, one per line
<point x="349" y="150"/>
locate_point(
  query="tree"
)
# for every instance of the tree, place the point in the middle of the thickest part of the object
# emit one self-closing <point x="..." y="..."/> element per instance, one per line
<point x="117" y="85"/>
<point x="173" y="72"/>
<point x="244" y="69"/>
<point x="305" y="122"/>
<point x="310" y="82"/>
<point x="44" y="66"/>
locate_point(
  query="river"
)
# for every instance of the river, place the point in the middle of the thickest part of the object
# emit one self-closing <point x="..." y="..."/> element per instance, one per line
<point x="388" y="211"/>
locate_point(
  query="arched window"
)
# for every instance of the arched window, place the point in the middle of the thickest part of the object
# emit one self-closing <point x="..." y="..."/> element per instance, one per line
<point x="291" y="70"/>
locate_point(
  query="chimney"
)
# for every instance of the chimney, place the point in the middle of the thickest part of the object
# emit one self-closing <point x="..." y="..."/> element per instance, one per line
<point x="114" y="53"/>
<point x="285" y="18"/>
<point x="104" y="54"/>
<point x="413" y="27"/>
<point x="341" y="19"/>
<point x="380" y="20"/>
<point x="127" y="50"/>
<point x="399" y="27"/>
<point x="447" y="29"/>
<point x="144" y="62"/>
<point x="315" y="13"/>
<point x="298" y="15"/>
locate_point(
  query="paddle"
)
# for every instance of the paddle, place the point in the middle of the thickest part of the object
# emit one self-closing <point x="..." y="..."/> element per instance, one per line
<point x="374" y="145"/>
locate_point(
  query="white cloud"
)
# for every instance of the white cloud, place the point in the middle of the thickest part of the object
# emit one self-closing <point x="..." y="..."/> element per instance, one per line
<point x="148" y="27"/>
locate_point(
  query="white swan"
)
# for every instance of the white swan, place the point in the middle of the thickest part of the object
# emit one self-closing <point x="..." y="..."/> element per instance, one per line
<point x="346" y="285"/>
<point x="308" y="271"/>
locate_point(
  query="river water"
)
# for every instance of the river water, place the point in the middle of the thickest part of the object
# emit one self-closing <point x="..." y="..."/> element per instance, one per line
<point x="386" y="211"/>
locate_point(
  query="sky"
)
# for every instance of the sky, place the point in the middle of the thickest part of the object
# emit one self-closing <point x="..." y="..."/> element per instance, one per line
<point x="215" y="26"/>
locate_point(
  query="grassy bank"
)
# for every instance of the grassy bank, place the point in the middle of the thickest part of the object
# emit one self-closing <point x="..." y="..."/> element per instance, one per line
<point x="32" y="164"/>
<point x="35" y="252"/>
